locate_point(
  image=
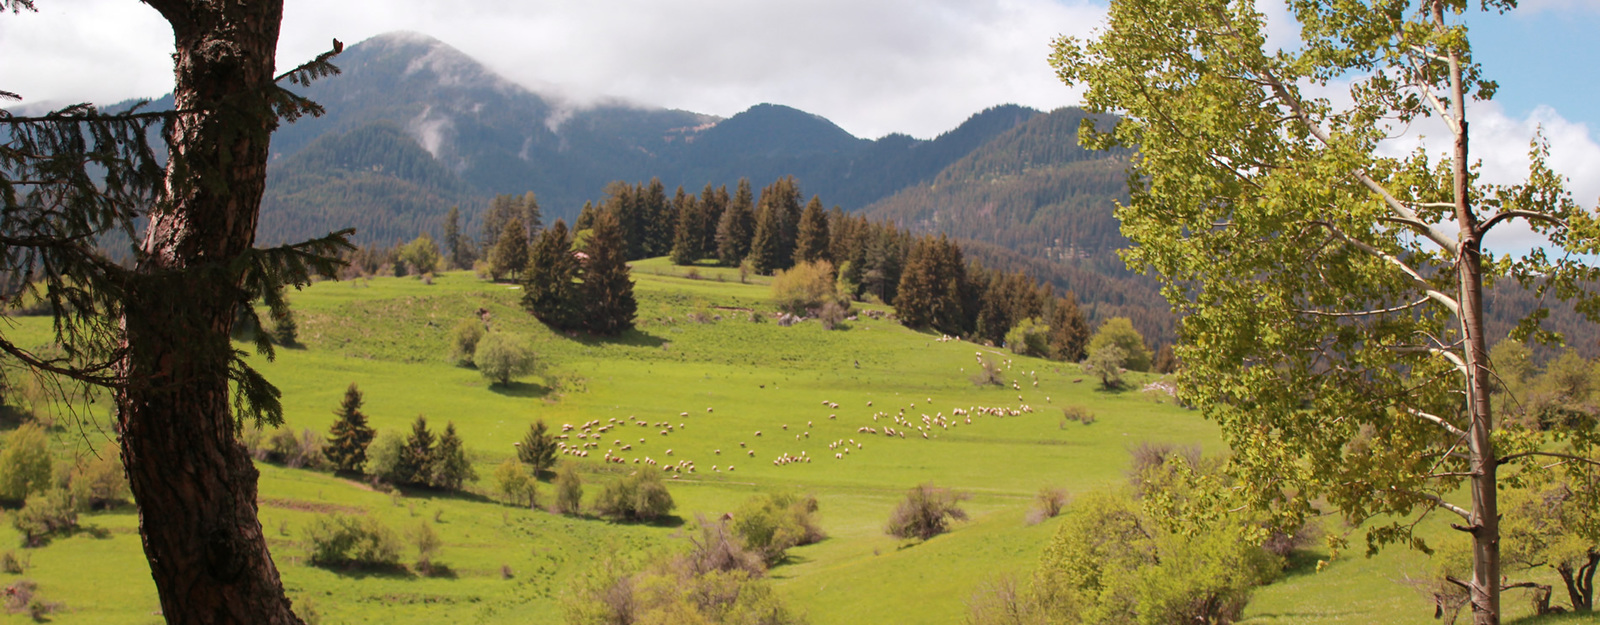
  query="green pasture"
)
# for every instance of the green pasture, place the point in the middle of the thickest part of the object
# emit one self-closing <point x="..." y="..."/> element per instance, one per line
<point x="699" y="364"/>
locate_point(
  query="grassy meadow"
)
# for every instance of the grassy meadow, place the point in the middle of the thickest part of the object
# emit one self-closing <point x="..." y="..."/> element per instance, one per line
<point x="737" y="394"/>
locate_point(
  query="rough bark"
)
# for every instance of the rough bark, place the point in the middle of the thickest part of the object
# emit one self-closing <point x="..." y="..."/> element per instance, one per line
<point x="1579" y="581"/>
<point x="194" y="483"/>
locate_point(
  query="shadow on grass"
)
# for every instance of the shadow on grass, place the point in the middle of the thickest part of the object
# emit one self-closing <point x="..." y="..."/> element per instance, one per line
<point x="360" y="571"/>
<point x="521" y="389"/>
<point x="631" y="338"/>
<point x="430" y="494"/>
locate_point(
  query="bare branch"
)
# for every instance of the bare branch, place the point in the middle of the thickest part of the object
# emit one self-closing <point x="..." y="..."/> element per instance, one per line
<point x="1364" y="313"/>
<point x="1462" y="512"/>
<point x="1551" y="454"/>
<point x="1434" y="294"/>
<point x="1437" y="421"/>
<point x="1528" y="215"/>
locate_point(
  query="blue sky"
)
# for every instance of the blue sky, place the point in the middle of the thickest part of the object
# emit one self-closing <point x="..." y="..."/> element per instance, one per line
<point x="1544" y="56"/>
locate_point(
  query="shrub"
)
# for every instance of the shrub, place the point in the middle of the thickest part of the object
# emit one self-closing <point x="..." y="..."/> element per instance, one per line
<point x="344" y="540"/>
<point x="464" y="341"/>
<point x="1119" y="331"/>
<point x="1030" y="337"/>
<point x="641" y="496"/>
<point x="1047" y="504"/>
<point x="44" y="514"/>
<point x="831" y="315"/>
<point x="99" y="483"/>
<point x="25" y="463"/>
<point x="714" y="547"/>
<point x="988" y="373"/>
<point x="10" y="563"/>
<point x="1105" y="362"/>
<point x="672" y="590"/>
<point x="805" y="287"/>
<point x="501" y="357"/>
<point x="772" y="523"/>
<point x="569" y="489"/>
<point x="428" y="546"/>
<point x="19" y="594"/>
<point x="296" y="451"/>
<point x="1079" y="414"/>
<point x="926" y="512"/>
<point x="514" y="482"/>
<point x="384" y="459"/>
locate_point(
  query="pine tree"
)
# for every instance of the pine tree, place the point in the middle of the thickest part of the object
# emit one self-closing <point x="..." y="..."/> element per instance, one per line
<point x="350" y="435"/>
<point x="766" y="247"/>
<point x="416" y="457"/>
<point x="690" y="236"/>
<point x="585" y="219"/>
<point x="659" y="220"/>
<point x="607" y="287"/>
<point x="1069" y="332"/>
<point x="501" y="209"/>
<point x="811" y="240"/>
<point x="457" y="245"/>
<point x="918" y="294"/>
<point x="538" y="448"/>
<point x="736" y="227"/>
<point x="449" y="467"/>
<point x="532" y="217"/>
<point x="550" y="290"/>
<point x="782" y="197"/>
<point x="626" y="203"/>
<point x="510" y="253"/>
<point x="712" y="204"/>
<point x="285" y="331"/>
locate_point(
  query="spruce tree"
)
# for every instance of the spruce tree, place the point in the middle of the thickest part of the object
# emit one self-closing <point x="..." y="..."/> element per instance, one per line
<point x="501" y="209"/>
<point x="538" y="448"/>
<point x="812" y="240"/>
<point x="585" y="219"/>
<point x="457" y="245"/>
<point x="1069" y="332"/>
<point x="918" y="293"/>
<point x="416" y="457"/>
<point x="550" y="290"/>
<point x="510" y="253"/>
<point x="449" y="467"/>
<point x="736" y="227"/>
<point x="626" y="203"/>
<point x="350" y="435"/>
<point x="766" y="247"/>
<point x="687" y="242"/>
<point x="712" y="204"/>
<point x="607" y="287"/>
<point x="783" y="198"/>
<point x="532" y="217"/>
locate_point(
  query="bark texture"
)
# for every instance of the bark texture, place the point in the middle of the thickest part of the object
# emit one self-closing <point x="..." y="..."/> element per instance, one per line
<point x="194" y="483"/>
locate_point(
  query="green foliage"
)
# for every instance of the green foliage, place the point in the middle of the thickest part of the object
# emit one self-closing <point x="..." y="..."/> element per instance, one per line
<point x="609" y="306"/>
<point x="25" y="463"/>
<point x="538" y="448"/>
<point x="811" y="237"/>
<point x="46" y="512"/>
<point x="415" y="465"/>
<point x="428" y="545"/>
<point x="736" y="227"/>
<point x="804" y="288"/>
<point x="673" y="590"/>
<point x="509" y="256"/>
<point x="766" y="245"/>
<point x="284" y="330"/>
<point x="99" y="483"/>
<point x="1069" y="332"/>
<point x="640" y="496"/>
<point x="449" y="465"/>
<point x="464" y="339"/>
<point x="502" y="357"/>
<point x="349" y="436"/>
<point x="360" y="540"/>
<point x="1111" y="562"/>
<point x="296" y="450"/>
<point x="458" y="247"/>
<point x="1030" y="337"/>
<point x="511" y="478"/>
<point x="689" y="237"/>
<point x="1119" y="331"/>
<point x="1106" y="362"/>
<point x="421" y="255"/>
<point x="551" y="291"/>
<point x="771" y="523"/>
<point x="386" y="458"/>
<point x="926" y="512"/>
<point x="1547" y="525"/>
<point x="933" y="286"/>
<point x="569" y="489"/>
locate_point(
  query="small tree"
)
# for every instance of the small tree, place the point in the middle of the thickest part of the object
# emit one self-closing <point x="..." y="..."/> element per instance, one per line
<point x="99" y="483"/>
<point x="450" y="466"/>
<point x="387" y="458"/>
<point x="464" y="341"/>
<point x="805" y="287"/>
<point x="569" y="489"/>
<point x="1119" y="331"/>
<point x="285" y="330"/>
<point x="351" y="540"/>
<point x="607" y="285"/>
<point x="1069" y="333"/>
<point x="513" y="480"/>
<point x="46" y="512"/>
<point x="772" y="523"/>
<point x="1030" y="337"/>
<point x="509" y="256"/>
<point x="926" y="512"/>
<point x="501" y="357"/>
<point x="25" y="463"/>
<point x="350" y="434"/>
<point x="641" y="496"/>
<point x="421" y="254"/>
<point x="1106" y="362"/>
<point x="551" y="291"/>
<point x="538" y="448"/>
<point x="415" y="464"/>
<point x="428" y="546"/>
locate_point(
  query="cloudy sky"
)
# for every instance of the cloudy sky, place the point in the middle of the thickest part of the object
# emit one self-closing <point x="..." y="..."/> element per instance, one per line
<point x="872" y="66"/>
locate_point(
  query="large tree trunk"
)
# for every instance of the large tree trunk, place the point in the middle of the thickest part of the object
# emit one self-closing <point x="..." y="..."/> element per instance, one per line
<point x="194" y="483"/>
<point x="1484" y="526"/>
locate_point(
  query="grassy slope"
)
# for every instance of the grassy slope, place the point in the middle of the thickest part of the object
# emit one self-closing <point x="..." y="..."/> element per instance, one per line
<point x="390" y="337"/>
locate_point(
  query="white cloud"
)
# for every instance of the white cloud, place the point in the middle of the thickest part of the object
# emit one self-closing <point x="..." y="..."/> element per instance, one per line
<point x="872" y="66"/>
